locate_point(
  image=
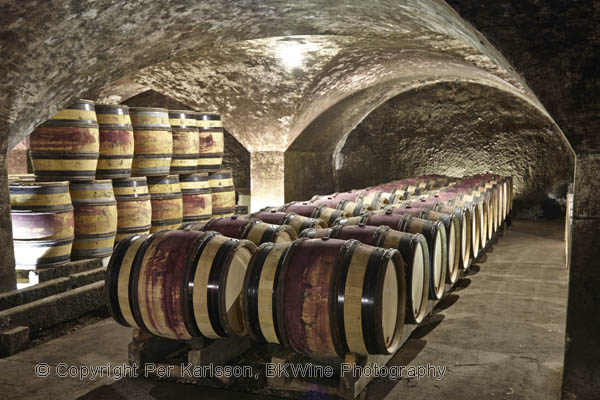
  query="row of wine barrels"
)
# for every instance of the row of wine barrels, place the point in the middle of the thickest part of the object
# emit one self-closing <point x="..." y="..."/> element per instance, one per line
<point x="327" y="214"/>
<point x="95" y="211"/>
<point x="186" y="142"/>
<point x="223" y="193"/>
<point x="42" y="223"/>
<point x="197" y="197"/>
<point x="412" y="247"/>
<point x="66" y="147"/>
<point x="453" y="235"/>
<point x="116" y="141"/>
<point x="134" y="209"/>
<point x="434" y="232"/>
<point x="212" y="143"/>
<point x="167" y="202"/>
<point x="326" y="297"/>
<point x="179" y="284"/>
<point x="153" y="141"/>
<point x="251" y="229"/>
<point x="298" y="222"/>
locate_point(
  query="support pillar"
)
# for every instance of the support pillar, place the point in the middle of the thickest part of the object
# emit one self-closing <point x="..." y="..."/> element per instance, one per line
<point x="8" y="280"/>
<point x="581" y="374"/>
<point x="266" y="179"/>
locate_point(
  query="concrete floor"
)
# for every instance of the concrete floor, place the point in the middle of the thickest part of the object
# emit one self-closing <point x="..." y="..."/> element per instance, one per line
<point x="500" y="334"/>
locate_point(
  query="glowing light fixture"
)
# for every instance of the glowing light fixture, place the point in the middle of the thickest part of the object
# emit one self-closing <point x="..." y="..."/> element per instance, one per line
<point x="292" y="52"/>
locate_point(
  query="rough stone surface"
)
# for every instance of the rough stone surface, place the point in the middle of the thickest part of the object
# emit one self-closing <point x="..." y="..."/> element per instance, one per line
<point x="17" y="161"/>
<point x="15" y="298"/>
<point x="556" y="47"/>
<point x="12" y="340"/>
<point x="237" y="159"/>
<point x="455" y="129"/>
<point x="582" y="353"/>
<point x="49" y="311"/>
<point x="8" y="280"/>
<point x="73" y="267"/>
<point x="57" y="54"/>
<point x="266" y="171"/>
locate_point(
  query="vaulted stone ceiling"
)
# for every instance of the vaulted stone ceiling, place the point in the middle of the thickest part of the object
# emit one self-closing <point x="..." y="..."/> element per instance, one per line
<point x="224" y="55"/>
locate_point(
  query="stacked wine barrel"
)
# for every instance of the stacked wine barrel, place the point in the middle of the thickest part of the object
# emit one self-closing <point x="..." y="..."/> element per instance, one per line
<point x="103" y="172"/>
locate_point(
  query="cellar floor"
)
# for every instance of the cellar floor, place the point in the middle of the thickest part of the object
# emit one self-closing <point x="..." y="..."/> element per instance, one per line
<point x="500" y="334"/>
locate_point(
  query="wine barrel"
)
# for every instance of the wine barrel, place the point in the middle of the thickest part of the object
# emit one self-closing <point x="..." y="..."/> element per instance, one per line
<point x="327" y="214"/>
<point x="197" y="197"/>
<point x="116" y="141"/>
<point x="66" y="147"/>
<point x="42" y="223"/>
<point x="375" y="200"/>
<point x="186" y="142"/>
<point x="95" y="210"/>
<point x="153" y="141"/>
<point x="252" y="229"/>
<point x="298" y="222"/>
<point x="212" y="143"/>
<point x="434" y="232"/>
<point x="413" y="249"/>
<point x="134" y="208"/>
<point x="223" y="193"/>
<point x="167" y="202"/>
<point x="326" y="297"/>
<point x="454" y="239"/>
<point x="354" y="209"/>
<point x="179" y="284"/>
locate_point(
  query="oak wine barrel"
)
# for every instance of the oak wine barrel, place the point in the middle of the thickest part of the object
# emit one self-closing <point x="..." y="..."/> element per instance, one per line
<point x="326" y="297"/>
<point x="167" y="202"/>
<point x="186" y="142"/>
<point x="153" y="141"/>
<point x="66" y="147"/>
<point x="197" y="197"/>
<point x="134" y="208"/>
<point x="327" y="214"/>
<point x="251" y="229"/>
<point x="298" y="222"/>
<point x="179" y="284"/>
<point x="223" y="193"/>
<point x="375" y="200"/>
<point x="116" y="141"/>
<point x="413" y="249"/>
<point x="95" y="210"/>
<point x="354" y="209"/>
<point x="212" y="142"/>
<point x="42" y="223"/>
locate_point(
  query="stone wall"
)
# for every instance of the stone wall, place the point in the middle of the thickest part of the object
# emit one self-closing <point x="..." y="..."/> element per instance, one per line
<point x="455" y="129"/>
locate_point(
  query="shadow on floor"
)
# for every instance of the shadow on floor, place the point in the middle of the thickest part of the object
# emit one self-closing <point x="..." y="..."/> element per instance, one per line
<point x="462" y="284"/>
<point x="446" y="302"/>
